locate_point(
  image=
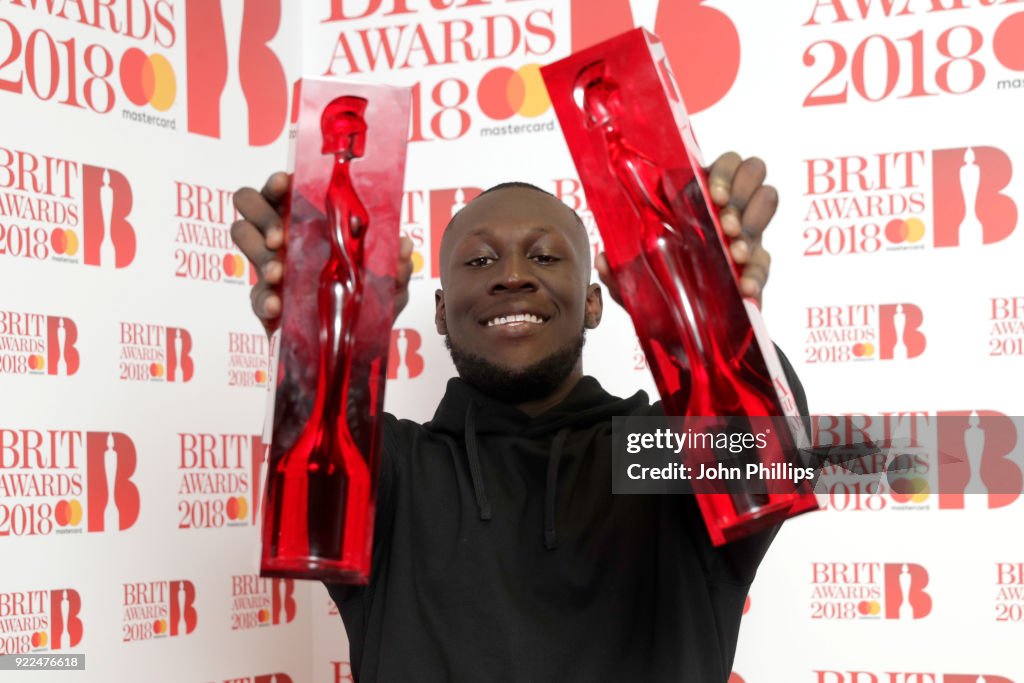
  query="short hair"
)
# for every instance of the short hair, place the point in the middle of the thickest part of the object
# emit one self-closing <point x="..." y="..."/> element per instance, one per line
<point x="521" y="185"/>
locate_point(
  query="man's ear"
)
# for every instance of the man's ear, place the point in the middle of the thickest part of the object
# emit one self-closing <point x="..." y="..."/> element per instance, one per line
<point x="439" y="321"/>
<point x="595" y="307"/>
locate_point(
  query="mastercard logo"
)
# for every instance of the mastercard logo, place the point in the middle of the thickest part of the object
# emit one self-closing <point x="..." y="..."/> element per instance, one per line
<point x="40" y="640"/>
<point x="68" y="513"/>
<point x="237" y="508"/>
<point x="148" y="79"/>
<point x="36" y="362"/>
<point x="156" y="370"/>
<point x="504" y="92"/>
<point x="234" y="265"/>
<point x="869" y="608"/>
<point x="159" y="627"/>
<point x="64" y="241"/>
<point x="911" y="490"/>
<point x="863" y="350"/>
<point x="899" y="231"/>
<point x="1008" y="42"/>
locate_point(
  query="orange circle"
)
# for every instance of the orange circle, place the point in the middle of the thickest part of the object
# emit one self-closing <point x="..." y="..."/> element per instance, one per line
<point x="72" y="242"/>
<point x="535" y="93"/>
<point x="915" y="230"/>
<point x="260" y="376"/>
<point x="869" y="349"/>
<point x="165" y="85"/>
<point x="159" y="626"/>
<point x="417" y="262"/>
<point x="156" y="370"/>
<point x="876" y="608"/>
<point x="243" y="507"/>
<point x="264" y="615"/>
<point x="76" y="512"/>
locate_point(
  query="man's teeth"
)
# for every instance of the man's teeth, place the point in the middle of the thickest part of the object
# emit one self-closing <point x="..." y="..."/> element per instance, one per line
<point x="518" y="318"/>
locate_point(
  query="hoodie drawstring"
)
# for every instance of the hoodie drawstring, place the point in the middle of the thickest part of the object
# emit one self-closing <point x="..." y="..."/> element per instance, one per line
<point x="551" y="490"/>
<point x="476" y="473"/>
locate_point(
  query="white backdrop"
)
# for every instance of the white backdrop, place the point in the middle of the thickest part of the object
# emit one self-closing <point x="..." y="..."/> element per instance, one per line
<point x="889" y="127"/>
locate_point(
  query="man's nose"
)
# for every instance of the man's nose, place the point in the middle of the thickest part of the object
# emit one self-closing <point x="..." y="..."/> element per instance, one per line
<point x="513" y="273"/>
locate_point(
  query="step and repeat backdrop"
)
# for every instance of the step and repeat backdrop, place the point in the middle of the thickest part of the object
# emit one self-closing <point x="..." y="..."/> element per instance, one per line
<point x="133" y="375"/>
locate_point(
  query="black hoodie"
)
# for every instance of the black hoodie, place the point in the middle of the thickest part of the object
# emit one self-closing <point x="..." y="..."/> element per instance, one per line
<point x="501" y="555"/>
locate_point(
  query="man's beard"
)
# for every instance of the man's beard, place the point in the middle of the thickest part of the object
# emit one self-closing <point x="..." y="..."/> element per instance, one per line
<point x="532" y="383"/>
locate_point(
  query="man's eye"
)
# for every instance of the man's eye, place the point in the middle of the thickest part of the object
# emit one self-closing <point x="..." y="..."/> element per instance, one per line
<point x="480" y="261"/>
<point x="545" y="258"/>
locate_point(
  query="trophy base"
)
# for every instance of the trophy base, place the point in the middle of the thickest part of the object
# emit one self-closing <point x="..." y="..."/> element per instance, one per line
<point x="760" y="519"/>
<point x="314" y="569"/>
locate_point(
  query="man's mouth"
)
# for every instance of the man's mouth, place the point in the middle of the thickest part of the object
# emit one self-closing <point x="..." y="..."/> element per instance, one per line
<point x="516" y="319"/>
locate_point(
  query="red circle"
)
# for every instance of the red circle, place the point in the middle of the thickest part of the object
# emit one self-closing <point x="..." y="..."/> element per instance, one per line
<point x="59" y="241"/>
<point x="229" y="265"/>
<point x="858" y="350"/>
<point x="136" y="76"/>
<point x="232" y="508"/>
<point x="1008" y="42"/>
<point x="495" y="93"/>
<point x="33" y="362"/>
<point x="261" y="376"/>
<point x="158" y="626"/>
<point x="864" y="607"/>
<point x="896" y="231"/>
<point x="155" y="370"/>
<point x="62" y="513"/>
<point x="37" y="639"/>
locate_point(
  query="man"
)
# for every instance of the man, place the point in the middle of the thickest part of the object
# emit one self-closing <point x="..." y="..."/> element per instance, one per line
<point x="500" y="553"/>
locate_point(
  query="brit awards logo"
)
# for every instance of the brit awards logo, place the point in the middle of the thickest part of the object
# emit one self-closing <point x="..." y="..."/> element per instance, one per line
<point x="862" y="332"/>
<point x="220" y="475"/>
<point x="40" y="620"/>
<point x="66" y="482"/>
<point x="203" y="249"/>
<point x="248" y="359"/>
<point x="1006" y="331"/>
<point x="404" y="358"/>
<point x="692" y="32"/>
<point x="1009" y="600"/>
<point x="258" y="602"/>
<point x="341" y="672"/>
<point x="155" y="353"/>
<point x="869" y="590"/>
<point x="158" y="609"/>
<point x="229" y="65"/>
<point x="866" y="204"/>
<point x="828" y="676"/>
<point x="55" y="209"/>
<point x="37" y="344"/>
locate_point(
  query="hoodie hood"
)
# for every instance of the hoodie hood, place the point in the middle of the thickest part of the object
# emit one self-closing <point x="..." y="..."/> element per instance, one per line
<point x="466" y="413"/>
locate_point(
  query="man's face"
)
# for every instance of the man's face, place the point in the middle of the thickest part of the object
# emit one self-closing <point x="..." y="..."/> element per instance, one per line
<point x="515" y="278"/>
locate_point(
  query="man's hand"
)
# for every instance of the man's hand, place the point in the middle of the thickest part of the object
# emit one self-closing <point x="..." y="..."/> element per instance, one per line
<point x="746" y="206"/>
<point x="260" y="233"/>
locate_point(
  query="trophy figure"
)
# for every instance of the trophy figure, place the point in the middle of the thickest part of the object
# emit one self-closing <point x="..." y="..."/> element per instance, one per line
<point x="906" y="610"/>
<point x="62" y="345"/>
<point x="108" y="251"/>
<point x="707" y="347"/>
<point x="111" y="515"/>
<point x="340" y="256"/>
<point x="971" y="231"/>
<point x="974" y="448"/>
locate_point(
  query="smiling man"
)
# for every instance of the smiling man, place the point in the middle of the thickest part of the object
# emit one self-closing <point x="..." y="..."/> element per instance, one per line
<point x="500" y="553"/>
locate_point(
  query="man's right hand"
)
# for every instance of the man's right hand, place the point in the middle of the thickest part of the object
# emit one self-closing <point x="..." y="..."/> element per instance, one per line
<point x="259" y="233"/>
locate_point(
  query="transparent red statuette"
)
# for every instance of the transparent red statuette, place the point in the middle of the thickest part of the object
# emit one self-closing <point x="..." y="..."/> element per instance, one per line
<point x="708" y="348"/>
<point x="341" y="250"/>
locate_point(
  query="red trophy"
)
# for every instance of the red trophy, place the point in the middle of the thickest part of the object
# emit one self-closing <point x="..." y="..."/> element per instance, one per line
<point x="341" y="250"/>
<point x="711" y="356"/>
